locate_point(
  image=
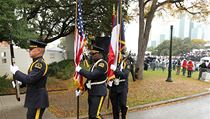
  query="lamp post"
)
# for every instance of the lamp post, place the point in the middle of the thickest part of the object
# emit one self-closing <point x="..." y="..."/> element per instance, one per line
<point x="169" y="79"/>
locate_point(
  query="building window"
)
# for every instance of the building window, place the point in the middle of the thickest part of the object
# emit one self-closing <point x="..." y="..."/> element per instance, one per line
<point x="4" y="61"/>
<point x="3" y="54"/>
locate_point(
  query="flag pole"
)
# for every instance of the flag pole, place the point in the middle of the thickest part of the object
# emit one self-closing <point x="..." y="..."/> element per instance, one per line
<point x="75" y="54"/>
<point x="120" y="21"/>
<point x="77" y="106"/>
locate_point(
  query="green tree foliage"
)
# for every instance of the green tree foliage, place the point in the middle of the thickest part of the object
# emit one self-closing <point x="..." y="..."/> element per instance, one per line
<point x="53" y="19"/>
<point x="199" y="43"/>
<point x="178" y="46"/>
<point x="50" y="20"/>
<point x="11" y="24"/>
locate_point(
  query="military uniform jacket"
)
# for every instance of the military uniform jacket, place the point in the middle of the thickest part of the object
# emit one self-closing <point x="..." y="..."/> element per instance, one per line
<point x="203" y="65"/>
<point x="121" y="74"/>
<point x="97" y="73"/>
<point x="35" y="81"/>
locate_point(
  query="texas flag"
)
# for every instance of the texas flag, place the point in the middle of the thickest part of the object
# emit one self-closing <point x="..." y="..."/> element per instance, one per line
<point x="113" y="48"/>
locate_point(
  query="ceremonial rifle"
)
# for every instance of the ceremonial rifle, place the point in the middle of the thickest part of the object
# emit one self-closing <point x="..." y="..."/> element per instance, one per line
<point x="17" y="87"/>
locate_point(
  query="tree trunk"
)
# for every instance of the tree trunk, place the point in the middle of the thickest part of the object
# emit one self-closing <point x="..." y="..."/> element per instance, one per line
<point x="144" y="30"/>
<point x="139" y="64"/>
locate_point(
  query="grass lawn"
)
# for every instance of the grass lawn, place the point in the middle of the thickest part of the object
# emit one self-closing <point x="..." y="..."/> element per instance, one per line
<point x="152" y="88"/>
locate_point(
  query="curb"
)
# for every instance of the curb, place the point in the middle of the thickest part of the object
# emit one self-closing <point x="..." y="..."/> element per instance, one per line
<point x="150" y="105"/>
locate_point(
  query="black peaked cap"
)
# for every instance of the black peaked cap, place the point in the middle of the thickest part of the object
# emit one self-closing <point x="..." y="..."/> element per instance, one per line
<point x="36" y="43"/>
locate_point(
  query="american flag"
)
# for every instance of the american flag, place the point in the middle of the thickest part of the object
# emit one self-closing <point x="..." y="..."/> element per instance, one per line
<point x="79" y="42"/>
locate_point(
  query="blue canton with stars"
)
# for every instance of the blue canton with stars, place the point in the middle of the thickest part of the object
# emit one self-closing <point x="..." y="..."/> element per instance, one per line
<point x="79" y="19"/>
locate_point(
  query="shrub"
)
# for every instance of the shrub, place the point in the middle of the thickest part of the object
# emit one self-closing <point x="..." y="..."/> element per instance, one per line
<point x="62" y="70"/>
<point x="5" y="85"/>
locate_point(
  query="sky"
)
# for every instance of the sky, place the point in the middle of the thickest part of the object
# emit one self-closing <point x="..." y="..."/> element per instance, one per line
<point x="159" y="26"/>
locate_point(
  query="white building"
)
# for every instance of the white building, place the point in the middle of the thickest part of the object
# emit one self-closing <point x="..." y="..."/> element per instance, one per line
<point x="22" y="59"/>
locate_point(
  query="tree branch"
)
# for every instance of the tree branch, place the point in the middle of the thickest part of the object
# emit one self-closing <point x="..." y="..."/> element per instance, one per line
<point x="145" y="3"/>
<point x="168" y="1"/>
<point x="186" y="9"/>
<point x="62" y="31"/>
<point x="33" y="13"/>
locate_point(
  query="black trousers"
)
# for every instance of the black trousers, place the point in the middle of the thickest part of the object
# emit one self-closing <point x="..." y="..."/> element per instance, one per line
<point x="118" y="101"/>
<point x="189" y="73"/>
<point x="35" y="113"/>
<point x="95" y="104"/>
<point x="201" y="70"/>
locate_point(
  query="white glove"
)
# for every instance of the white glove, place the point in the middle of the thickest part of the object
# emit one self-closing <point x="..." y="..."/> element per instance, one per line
<point x="116" y="81"/>
<point x="13" y="69"/>
<point x="77" y="92"/>
<point x="13" y="83"/>
<point x="110" y="83"/>
<point x="78" y="68"/>
<point x="113" y="67"/>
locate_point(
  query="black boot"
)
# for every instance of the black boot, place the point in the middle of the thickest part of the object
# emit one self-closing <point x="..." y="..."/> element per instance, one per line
<point x="124" y="112"/>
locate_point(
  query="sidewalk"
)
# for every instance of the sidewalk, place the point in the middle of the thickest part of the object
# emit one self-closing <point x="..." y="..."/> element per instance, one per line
<point x="143" y="111"/>
<point x="10" y="108"/>
<point x="196" y="108"/>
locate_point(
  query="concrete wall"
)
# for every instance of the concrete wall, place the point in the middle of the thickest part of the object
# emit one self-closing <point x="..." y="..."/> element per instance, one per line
<point x="4" y="61"/>
<point x="54" y="56"/>
<point x="22" y="59"/>
<point x="70" y="46"/>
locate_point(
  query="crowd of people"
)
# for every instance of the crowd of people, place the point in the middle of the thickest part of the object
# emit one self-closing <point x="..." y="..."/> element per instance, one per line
<point x="184" y="66"/>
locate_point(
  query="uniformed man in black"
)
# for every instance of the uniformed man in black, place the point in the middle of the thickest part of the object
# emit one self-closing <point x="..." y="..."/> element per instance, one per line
<point x="119" y="88"/>
<point x="202" y="68"/>
<point x="96" y="82"/>
<point x="36" y="94"/>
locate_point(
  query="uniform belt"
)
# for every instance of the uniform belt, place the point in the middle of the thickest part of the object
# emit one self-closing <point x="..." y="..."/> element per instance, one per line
<point x="36" y="88"/>
<point x="117" y="81"/>
<point x="122" y="80"/>
<point x="97" y="83"/>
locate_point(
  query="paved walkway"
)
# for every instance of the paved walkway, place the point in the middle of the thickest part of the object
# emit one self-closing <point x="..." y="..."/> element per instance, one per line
<point x="197" y="108"/>
<point x="10" y="108"/>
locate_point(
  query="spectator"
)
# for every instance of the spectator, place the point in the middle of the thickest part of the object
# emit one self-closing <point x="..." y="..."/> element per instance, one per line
<point x="153" y="64"/>
<point x="178" y="67"/>
<point x="202" y="68"/>
<point x="163" y="65"/>
<point x="146" y="64"/>
<point x="189" y="68"/>
<point x="174" y="62"/>
<point x="208" y="66"/>
<point x="184" y="67"/>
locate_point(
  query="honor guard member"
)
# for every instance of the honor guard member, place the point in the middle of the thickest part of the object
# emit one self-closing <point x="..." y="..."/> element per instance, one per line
<point x="119" y="88"/>
<point x="36" y="99"/>
<point x="95" y="83"/>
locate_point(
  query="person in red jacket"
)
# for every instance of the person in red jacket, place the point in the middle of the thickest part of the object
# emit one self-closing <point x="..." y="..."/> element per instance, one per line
<point x="189" y="68"/>
<point x="184" y="67"/>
